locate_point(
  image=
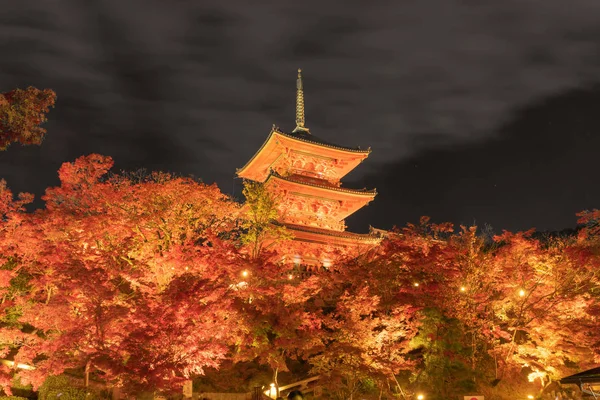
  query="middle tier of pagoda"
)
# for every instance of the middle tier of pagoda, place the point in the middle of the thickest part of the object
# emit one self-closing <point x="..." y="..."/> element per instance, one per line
<point x="308" y="201"/>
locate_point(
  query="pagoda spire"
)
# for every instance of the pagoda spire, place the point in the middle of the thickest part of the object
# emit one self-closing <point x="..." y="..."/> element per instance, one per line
<point x="300" y="105"/>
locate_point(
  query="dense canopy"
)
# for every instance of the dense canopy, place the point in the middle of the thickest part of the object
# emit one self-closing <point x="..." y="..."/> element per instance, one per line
<point x="145" y="280"/>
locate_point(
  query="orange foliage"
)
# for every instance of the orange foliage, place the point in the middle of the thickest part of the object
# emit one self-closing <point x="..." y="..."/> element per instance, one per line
<point x="144" y="281"/>
<point x="21" y="114"/>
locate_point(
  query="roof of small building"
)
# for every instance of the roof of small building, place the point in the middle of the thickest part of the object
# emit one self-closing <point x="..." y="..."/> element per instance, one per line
<point x="589" y="376"/>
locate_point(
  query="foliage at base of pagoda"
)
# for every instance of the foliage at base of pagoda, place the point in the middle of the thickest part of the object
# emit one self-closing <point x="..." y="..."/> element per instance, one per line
<point x="143" y="281"/>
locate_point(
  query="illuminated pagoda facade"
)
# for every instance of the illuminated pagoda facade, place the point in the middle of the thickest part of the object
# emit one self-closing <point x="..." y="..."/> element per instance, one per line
<point x="304" y="173"/>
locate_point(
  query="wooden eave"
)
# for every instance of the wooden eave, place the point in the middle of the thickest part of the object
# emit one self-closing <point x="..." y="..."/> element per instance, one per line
<point x="321" y="144"/>
<point x="352" y="200"/>
<point x="323" y="236"/>
<point x="258" y="167"/>
<point x="330" y="192"/>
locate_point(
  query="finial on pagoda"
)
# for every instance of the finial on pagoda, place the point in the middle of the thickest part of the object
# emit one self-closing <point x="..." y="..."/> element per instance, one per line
<point x="300" y="105"/>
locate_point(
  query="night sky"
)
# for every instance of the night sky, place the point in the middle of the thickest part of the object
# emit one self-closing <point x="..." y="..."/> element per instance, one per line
<point x="477" y="111"/>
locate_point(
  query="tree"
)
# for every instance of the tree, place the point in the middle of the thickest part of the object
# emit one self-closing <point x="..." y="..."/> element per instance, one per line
<point x="282" y="312"/>
<point x="21" y="114"/>
<point x="375" y="302"/>
<point x="444" y="350"/>
<point x="261" y="216"/>
<point x="363" y="343"/>
<point x="140" y="280"/>
<point x="538" y="320"/>
<point x="522" y="303"/>
<point x="506" y="318"/>
<point x="129" y="280"/>
<point x="14" y="282"/>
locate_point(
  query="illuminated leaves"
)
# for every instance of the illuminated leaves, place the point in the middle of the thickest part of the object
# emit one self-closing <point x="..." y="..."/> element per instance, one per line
<point x="128" y="276"/>
<point x="524" y="300"/>
<point x="21" y="114"/>
<point x="517" y="304"/>
<point x="147" y="279"/>
<point x="260" y="218"/>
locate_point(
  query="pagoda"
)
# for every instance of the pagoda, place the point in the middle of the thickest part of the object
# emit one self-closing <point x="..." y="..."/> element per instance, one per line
<point x="304" y="173"/>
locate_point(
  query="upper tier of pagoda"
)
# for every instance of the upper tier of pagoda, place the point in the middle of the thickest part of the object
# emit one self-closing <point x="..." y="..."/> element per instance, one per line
<point x="301" y="153"/>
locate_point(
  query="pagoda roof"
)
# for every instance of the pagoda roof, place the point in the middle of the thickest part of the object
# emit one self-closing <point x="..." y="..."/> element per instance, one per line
<point x="305" y="136"/>
<point x="326" y="234"/>
<point x="258" y="166"/>
<point x="324" y="186"/>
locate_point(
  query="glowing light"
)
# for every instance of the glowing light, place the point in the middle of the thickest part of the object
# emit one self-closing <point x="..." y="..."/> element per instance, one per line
<point x="244" y="273"/>
<point x="10" y="363"/>
<point x="537" y="375"/>
<point x="462" y="288"/>
<point x="521" y="293"/>
<point x="417" y="285"/>
<point x="420" y="397"/>
<point x="290" y="276"/>
<point x="273" y="391"/>
<point x="529" y="396"/>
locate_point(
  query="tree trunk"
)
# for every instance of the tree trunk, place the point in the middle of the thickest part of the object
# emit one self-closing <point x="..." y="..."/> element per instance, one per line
<point x="88" y="366"/>
<point x="495" y="366"/>
<point x="275" y="371"/>
<point x="473" y="354"/>
<point x="48" y="295"/>
<point x="399" y="387"/>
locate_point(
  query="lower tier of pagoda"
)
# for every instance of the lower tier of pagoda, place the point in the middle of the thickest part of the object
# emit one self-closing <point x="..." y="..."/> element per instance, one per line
<point x="330" y="237"/>
<point x="321" y="247"/>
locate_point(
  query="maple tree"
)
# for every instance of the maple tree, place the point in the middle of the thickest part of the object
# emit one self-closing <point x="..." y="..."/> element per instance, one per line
<point x="375" y="301"/>
<point x="531" y="308"/>
<point x="362" y="343"/>
<point x="589" y="244"/>
<point x="143" y="280"/>
<point x="510" y="316"/>
<point x="129" y="279"/>
<point x="282" y="313"/>
<point x="504" y="318"/>
<point x="21" y="114"/>
<point x="278" y="304"/>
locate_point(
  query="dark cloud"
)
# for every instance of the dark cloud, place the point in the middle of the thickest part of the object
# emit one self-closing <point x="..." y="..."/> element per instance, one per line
<point x="538" y="173"/>
<point x="194" y="86"/>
